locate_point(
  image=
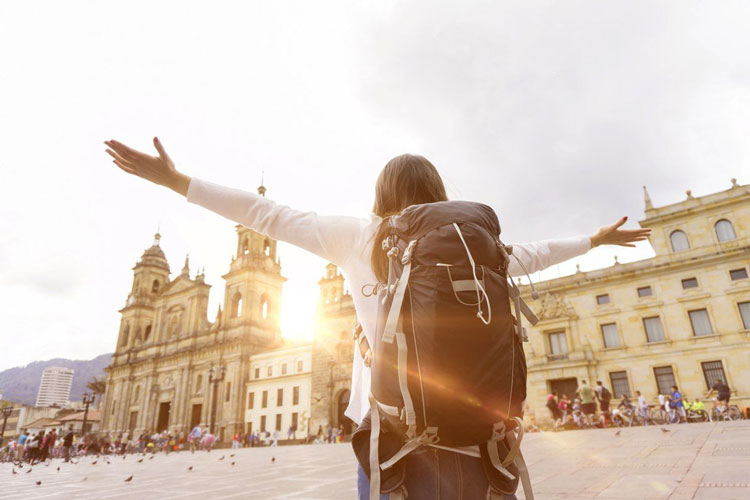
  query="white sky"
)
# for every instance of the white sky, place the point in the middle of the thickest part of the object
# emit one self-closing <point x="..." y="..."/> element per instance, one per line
<point x="555" y="113"/>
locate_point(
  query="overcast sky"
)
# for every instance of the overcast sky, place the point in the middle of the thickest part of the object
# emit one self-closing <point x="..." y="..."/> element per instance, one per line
<point x="555" y="113"/>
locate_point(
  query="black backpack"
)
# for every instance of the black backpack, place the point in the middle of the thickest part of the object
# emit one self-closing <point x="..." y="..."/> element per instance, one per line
<point x="606" y="395"/>
<point x="448" y="364"/>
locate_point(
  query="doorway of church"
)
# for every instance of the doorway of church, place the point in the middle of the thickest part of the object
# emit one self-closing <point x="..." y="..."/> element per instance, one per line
<point x="341" y="403"/>
<point x="195" y="415"/>
<point x="163" y="422"/>
<point x="566" y="386"/>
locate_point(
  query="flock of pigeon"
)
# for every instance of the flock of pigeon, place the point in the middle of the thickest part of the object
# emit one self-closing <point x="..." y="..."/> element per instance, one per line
<point x="106" y="459"/>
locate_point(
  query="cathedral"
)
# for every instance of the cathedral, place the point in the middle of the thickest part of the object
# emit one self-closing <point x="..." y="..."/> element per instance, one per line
<point x="173" y="368"/>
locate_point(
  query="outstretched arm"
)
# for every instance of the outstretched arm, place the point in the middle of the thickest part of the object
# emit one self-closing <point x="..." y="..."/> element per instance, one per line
<point x="334" y="238"/>
<point x="540" y="255"/>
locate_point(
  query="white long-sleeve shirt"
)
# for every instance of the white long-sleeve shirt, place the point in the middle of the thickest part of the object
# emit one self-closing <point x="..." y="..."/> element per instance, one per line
<point x="346" y="241"/>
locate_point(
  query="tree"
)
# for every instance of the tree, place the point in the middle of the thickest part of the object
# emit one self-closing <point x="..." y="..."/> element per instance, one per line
<point x="97" y="385"/>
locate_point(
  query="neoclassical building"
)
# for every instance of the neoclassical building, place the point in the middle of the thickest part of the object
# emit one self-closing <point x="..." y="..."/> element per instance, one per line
<point x="172" y="368"/>
<point x="680" y="318"/>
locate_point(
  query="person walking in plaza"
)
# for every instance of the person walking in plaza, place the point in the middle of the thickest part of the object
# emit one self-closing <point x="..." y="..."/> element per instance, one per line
<point x="68" y="445"/>
<point x="604" y="397"/>
<point x="588" y="406"/>
<point x="21" y="445"/>
<point x="723" y="393"/>
<point x="554" y="409"/>
<point x="678" y="405"/>
<point x="642" y="408"/>
<point x="355" y="245"/>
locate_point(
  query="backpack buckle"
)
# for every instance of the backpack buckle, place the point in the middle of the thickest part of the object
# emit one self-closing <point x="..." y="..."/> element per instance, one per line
<point x="407" y="253"/>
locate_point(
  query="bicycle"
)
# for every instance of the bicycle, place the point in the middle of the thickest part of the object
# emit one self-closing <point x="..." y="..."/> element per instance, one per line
<point x="725" y="413"/>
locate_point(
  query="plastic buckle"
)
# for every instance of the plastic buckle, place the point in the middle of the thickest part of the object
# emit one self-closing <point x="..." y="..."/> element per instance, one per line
<point x="407" y="253"/>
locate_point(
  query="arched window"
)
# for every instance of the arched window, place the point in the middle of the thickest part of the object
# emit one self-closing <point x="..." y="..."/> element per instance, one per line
<point x="724" y="230"/>
<point x="136" y="285"/>
<point x="245" y="247"/>
<point x="236" y="305"/>
<point x="155" y="286"/>
<point x="147" y="333"/>
<point x="267" y="247"/>
<point x="679" y="241"/>
<point x="265" y="307"/>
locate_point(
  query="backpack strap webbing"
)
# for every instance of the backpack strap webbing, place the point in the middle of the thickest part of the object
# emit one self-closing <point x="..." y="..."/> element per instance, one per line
<point x="523" y="470"/>
<point x="374" y="455"/>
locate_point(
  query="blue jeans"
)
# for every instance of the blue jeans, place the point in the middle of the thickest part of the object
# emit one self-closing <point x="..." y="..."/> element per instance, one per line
<point x="436" y="474"/>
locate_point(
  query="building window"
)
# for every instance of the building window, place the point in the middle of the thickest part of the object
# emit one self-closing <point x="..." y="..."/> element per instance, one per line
<point x="295" y="395"/>
<point x="269" y="371"/>
<point x="279" y="397"/>
<point x="262" y="423"/>
<point x="155" y="286"/>
<point x="257" y="373"/>
<point x="299" y="366"/>
<point x="265" y="307"/>
<point x="679" y="241"/>
<point x="713" y="372"/>
<point x="278" y="421"/>
<point x="295" y="418"/>
<point x="602" y="299"/>
<point x="198" y="382"/>
<point x="228" y="392"/>
<point x="654" y="330"/>
<point x="620" y="384"/>
<point x="558" y="345"/>
<point x="700" y="322"/>
<point x="738" y="274"/>
<point x="245" y="247"/>
<point x="283" y="368"/>
<point x="724" y="230"/>
<point x="250" y="400"/>
<point x="744" y="308"/>
<point x="689" y="283"/>
<point x="264" y="400"/>
<point x="125" y="335"/>
<point x="236" y="305"/>
<point x="645" y="291"/>
<point x="664" y="379"/>
<point x="147" y="332"/>
<point x="267" y="247"/>
<point x="611" y="337"/>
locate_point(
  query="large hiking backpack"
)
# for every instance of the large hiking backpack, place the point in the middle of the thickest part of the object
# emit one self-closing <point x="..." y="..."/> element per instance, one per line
<point x="448" y="366"/>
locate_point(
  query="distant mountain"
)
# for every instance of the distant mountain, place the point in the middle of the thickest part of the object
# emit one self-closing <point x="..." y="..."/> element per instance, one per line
<point x="21" y="384"/>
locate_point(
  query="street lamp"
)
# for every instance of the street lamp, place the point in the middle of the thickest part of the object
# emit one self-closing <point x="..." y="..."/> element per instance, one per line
<point x="214" y="380"/>
<point x="88" y="399"/>
<point x="6" y="413"/>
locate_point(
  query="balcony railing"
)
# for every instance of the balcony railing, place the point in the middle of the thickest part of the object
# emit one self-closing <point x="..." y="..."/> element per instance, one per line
<point x="557" y="357"/>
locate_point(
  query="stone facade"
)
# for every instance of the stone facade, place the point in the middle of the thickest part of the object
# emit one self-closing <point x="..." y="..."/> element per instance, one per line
<point x="160" y="376"/>
<point x="332" y="353"/>
<point x="681" y="317"/>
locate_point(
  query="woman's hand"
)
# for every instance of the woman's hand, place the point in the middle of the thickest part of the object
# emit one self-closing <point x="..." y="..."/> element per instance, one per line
<point x="157" y="169"/>
<point x="611" y="235"/>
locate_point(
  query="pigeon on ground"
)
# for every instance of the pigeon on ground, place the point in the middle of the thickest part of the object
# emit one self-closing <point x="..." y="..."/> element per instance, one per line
<point x="48" y="463"/>
<point x="38" y="483"/>
<point x="139" y="461"/>
<point x="94" y="462"/>
<point x="20" y="465"/>
<point x="28" y="470"/>
<point x="85" y="478"/>
<point x="222" y="458"/>
<point x="273" y="459"/>
<point x="58" y="469"/>
<point x="14" y="471"/>
<point x="124" y="457"/>
<point x="151" y="457"/>
<point x="130" y="478"/>
<point x="665" y="430"/>
<point x="233" y="464"/>
<point x="617" y="433"/>
<point x="190" y="468"/>
<point x="231" y="456"/>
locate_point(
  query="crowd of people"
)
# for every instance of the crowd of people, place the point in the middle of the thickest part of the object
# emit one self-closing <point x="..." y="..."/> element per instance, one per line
<point x="43" y="445"/>
<point x="580" y="411"/>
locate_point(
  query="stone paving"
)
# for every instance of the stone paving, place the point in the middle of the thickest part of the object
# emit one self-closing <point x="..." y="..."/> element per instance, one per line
<point x="702" y="461"/>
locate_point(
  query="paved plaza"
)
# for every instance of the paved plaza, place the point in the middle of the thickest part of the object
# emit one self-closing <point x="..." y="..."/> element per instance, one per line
<point x="702" y="461"/>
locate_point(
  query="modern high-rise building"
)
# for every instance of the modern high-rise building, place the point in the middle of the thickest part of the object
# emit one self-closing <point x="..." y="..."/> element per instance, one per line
<point x="55" y="387"/>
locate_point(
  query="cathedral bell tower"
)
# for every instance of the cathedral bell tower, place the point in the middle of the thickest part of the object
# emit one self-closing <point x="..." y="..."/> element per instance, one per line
<point x="150" y="274"/>
<point x="252" y="300"/>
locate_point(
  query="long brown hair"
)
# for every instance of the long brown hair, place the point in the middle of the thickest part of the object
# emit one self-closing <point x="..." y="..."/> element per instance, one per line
<point x="405" y="180"/>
